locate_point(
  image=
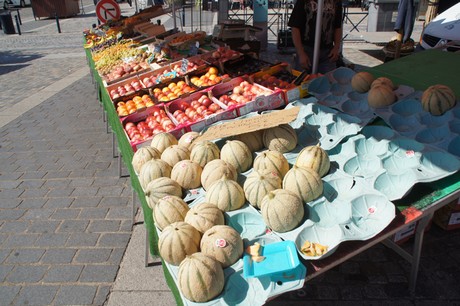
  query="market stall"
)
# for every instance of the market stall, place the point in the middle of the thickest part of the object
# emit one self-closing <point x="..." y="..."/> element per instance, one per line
<point x="351" y="208"/>
<point x="51" y="9"/>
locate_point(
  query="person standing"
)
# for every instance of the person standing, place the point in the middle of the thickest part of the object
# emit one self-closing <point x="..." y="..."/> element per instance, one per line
<point x="303" y="25"/>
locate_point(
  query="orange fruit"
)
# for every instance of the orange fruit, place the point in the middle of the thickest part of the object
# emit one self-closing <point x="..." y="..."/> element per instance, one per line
<point x="213" y="70"/>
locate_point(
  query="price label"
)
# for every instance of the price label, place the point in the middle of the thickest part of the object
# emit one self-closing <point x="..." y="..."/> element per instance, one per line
<point x="151" y="59"/>
<point x="157" y="49"/>
<point x="184" y="65"/>
<point x="194" y="49"/>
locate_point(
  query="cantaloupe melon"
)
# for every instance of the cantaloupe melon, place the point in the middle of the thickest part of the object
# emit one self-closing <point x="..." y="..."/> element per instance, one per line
<point x="200" y="278"/>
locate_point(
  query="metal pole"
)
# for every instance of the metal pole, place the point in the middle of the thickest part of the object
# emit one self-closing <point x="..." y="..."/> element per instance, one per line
<point x="191" y="15"/>
<point x="19" y="17"/>
<point x="174" y="15"/>
<point x="319" y="21"/>
<point x="17" y="25"/>
<point x="57" y="23"/>
<point x="183" y="16"/>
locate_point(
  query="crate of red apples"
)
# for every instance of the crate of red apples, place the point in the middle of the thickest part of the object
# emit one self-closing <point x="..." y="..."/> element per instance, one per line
<point x="140" y="127"/>
<point x="246" y="97"/>
<point x="198" y="111"/>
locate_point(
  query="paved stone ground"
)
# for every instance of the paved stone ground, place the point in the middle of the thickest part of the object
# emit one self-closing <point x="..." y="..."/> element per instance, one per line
<point x="65" y="215"/>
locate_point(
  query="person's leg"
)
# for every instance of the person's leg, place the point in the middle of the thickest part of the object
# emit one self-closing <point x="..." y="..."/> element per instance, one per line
<point x="325" y="64"/>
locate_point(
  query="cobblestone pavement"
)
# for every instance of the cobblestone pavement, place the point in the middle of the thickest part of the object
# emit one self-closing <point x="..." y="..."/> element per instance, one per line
<point x="65" y="215"/>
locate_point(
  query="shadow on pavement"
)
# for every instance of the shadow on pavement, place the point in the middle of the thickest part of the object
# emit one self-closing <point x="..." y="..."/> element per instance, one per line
<point x="14" y="60"/>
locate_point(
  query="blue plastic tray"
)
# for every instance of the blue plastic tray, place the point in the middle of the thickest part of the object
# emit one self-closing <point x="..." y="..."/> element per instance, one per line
<point x="279" y="257"/>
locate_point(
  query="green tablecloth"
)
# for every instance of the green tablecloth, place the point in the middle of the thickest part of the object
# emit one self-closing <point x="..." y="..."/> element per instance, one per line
<point x="420" y="71"/>
<point x="424" y="69"/>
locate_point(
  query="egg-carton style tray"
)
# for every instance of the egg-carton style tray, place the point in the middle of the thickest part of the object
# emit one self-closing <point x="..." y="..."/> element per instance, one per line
<point x="347" y="210"/>
<point x="334" y="90"/>
<point x="320" y="124"/>
<point x="408" y="118"/>
<point x="391" y="163"/>
<point x="250" y="291"/>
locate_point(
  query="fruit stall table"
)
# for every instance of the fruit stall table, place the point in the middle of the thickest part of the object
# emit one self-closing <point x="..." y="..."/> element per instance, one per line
<point x="419" y="71"/>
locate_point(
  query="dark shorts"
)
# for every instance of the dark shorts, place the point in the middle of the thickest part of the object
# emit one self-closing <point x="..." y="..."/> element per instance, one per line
<point x="324" y="64"/>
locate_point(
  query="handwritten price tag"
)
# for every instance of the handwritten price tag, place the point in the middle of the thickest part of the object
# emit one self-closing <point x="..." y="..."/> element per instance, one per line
<point x="184" y="66"/>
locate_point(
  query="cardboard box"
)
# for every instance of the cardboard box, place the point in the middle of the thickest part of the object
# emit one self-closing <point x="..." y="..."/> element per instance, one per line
<point x="448" y="217"/>
<point x="250" y="124"/>
<point x="405" y="233"/>
<point x="270" y="101"/>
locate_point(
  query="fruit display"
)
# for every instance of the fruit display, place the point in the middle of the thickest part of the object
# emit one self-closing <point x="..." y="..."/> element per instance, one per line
<point x="282" y="138"/>
<point x="153" y="169"/>
<point x="119" y="59"/>
<point x="253" y="140"/>
<point x="199" y="108"/>
<point x="178" y="240"/>
<point x="133" y="105"/>
<point x="281" y="80"/>
<point x="200" y="278"/>
<point x="187" y="139"/>
<point x="258" y="184"/>
<point x="161" y="187"/>
<point x="187" y="173"/>
<point x="223" y="54"/>
<point x="157" y="122"/>
<point x="438" y="99"/>
<point x="124" y="89"/>
<point x="142" y="156"/>
<point x="226" y="194"/>
<point x="161" y="141"/>
<point x="383" y="81"/>
<point x="237" y="153"/>
<point x="229" y="247"/>
<point x="282" y="210"/>
<point x="203" y="216"/>
<point x="313" y="248"/>
<point x="272" y="161"/>
<point x="118" y="71"/>
<point x="361" y="81"/>
<point x="174" y="154"/>
<point x="189" y="37"/>
<point x="304" y="182"/>
<point x="211" y="77"/>
<point x="204" y="151"/>
<point x="168" y="210"/>
<point x="315" y="158"/>
<point x="172" y="91"/>
<point x="381" y="96"/>
<point x="169" y="72"/>
<point x="215" y="170"/>
<point x="243" y="93"/>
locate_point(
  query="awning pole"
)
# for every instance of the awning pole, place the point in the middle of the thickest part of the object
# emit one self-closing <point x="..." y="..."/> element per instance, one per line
<point x="319" y="21"/>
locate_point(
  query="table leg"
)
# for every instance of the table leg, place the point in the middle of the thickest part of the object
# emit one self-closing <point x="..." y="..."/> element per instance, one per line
<point x="419" y="233"/>
<point x="119" y="164"/>
<point x="114" y="146"/>
<point x="133" y="203"/>
<point x="146" y="258"/>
